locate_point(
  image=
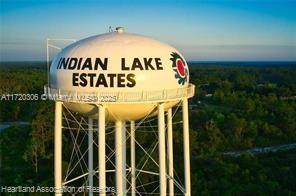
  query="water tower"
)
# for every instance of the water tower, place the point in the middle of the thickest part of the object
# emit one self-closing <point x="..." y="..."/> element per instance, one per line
<point x="121" y="78"/>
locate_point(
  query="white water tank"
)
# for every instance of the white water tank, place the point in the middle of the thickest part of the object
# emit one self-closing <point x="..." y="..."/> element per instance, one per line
<point x="127" y="73"/>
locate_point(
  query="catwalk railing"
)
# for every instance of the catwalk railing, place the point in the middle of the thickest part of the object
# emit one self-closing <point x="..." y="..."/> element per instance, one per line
<point x="119" y="97"/>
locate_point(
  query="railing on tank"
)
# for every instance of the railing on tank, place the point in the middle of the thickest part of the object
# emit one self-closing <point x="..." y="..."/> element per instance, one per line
<point x="51" y="44"/>
<point x="119" y="97"/>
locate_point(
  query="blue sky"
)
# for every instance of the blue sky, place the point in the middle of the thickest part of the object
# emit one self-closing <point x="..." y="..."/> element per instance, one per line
<point x="212" y="30"/>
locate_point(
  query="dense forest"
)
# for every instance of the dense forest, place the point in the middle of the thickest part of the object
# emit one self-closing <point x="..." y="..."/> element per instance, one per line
<point x="235" y="108"/>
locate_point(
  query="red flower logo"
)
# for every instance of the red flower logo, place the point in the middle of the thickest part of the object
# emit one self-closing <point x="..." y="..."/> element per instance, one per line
<point x="180" y="68"/>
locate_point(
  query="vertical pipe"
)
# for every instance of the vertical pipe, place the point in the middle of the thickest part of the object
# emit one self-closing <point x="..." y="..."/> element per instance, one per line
<point x="90" y="156"/>
<point x="186" y="145"/>
<point x="123" y="164"/>
<point x="47" y="61"/>
<point x="102" y="150"/>
<point x="170" y="152"/>
<point x="133" y="160"/>
<point x="161" y="149"/>
<point x="120" y="159"/>
<point x="58" y="148"/>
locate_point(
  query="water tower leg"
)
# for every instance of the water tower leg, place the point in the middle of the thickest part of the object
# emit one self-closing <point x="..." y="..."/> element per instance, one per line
<point x="102" y="149"/>
<point x="120" y="158"/>
<point x="133" y="160"/>
<point x="124" y="157"/>
<point x="161" y="149"/>
<point x="58" y="148"/>
<point x="186" y="145"/>
<point x="90" y="155"/>
<point x="170" y="152"/>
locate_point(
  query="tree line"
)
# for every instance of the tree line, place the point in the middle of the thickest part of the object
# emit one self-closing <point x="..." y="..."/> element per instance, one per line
<point x="234" y="108"/>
